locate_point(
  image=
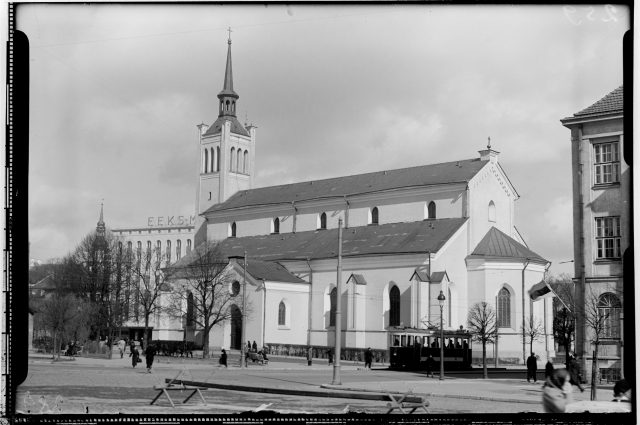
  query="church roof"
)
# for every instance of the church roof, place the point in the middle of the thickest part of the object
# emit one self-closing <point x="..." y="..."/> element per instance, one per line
<point x="46" y="284"/>
<point x="358" y="278"/>
<point x="497" y="244"/>
<point x="385" y="239"/>
<point x="337" y="187"/>
<point x="236" y="127"/>
<point x="611" y="103"/>
<point x="271" y="272"/>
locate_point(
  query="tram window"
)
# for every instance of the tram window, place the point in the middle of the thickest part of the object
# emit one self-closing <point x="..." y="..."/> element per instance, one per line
<point x="403" y="340"/>
<point x="409" y="340"/>
<point x="396" y="341"/>
<point x="458" y="343"/>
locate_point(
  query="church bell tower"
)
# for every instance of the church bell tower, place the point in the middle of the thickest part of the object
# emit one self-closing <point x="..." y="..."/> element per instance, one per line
<point x="226" y="154"/>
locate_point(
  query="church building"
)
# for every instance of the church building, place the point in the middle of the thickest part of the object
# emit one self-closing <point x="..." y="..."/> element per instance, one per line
<point x="408" y="234"/>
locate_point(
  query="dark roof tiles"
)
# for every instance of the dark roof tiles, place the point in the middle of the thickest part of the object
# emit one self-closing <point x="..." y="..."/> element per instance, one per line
<point x="337" y="187"/>
<point x="611" y="103"/>
<point x="236" y="127"/>
<point x="497" y="244"/>
<point x="272" y="272"/>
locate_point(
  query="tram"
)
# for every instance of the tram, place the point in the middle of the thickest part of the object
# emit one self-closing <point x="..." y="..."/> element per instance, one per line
<point x="410" y="349"/>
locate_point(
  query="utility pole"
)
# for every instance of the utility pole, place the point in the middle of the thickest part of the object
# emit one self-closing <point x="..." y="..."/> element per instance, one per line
<point x="244" y="316"/>
<point x="338" y="330"/>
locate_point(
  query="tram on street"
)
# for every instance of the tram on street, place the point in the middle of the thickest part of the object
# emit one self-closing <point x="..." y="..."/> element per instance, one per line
<point x="410" y="348"/>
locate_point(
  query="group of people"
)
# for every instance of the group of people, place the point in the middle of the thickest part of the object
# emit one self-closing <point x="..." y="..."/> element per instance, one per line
<point x="251" y="348"/>
<point x="72" y="348"/>
<point x="135" y="353"/>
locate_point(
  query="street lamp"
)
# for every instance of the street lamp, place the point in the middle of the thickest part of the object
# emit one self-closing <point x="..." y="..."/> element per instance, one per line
<point x="441" y="299"/>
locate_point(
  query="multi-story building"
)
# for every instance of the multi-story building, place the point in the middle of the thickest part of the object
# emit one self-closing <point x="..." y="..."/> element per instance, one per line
<point x="601" y="223"/>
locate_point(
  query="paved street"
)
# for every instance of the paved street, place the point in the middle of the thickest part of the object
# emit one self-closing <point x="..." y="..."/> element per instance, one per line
<point x="112" y="386"/>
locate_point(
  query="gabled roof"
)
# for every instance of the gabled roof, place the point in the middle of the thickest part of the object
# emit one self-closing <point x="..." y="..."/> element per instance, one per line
<point x="610" y="104"/>
<point x="422" y="275"/>
<point x="337" y="187"/>
<point x="385" y="239"/>
<point x="438" y="276"/>
<point x="45" y="284"/>
<point x="358" y="278"/>
<point x="271" y="272"/>
<point x="497" y="244"/>
<point x="236" y="127"/>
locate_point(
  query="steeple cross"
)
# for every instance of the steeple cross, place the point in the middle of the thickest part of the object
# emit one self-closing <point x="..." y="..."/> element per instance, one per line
<point x="229" y="33"/>
<point x="489" y="145"/>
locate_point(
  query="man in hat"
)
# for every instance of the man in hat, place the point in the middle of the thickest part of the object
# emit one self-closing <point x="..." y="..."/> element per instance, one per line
<point x="532" y="368"/>
<point x="223" y="358"/>
<point x="368" y="358"/>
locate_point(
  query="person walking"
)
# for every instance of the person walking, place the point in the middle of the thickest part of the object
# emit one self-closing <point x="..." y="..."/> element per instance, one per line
<point x="223" y="358"/>
<point x="532" y="368"/>
<point x="430" y="361"/>
<point x="330" y="356"/>
<point x="121" y="346"/>
<point x="368" y="358"/>
<point x="135" y="355"/>
<point x="150" y="352"/>
<point x="574" y="373"/>
<point x="556" y="393"/>
<point x="548" y="369"/>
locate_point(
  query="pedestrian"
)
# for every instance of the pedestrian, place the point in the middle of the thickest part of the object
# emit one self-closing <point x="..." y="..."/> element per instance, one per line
<point x="574" y="373"/>
<point x="548" y="369"/>
<point x="254" y="347"/>
<point x="621" y="391"/>
<point x="223" y="358"/>
<point x="150" y="352"/>
<point x="121" y="346"/>
<point x="330" y="356"/>
<point x="135" y="355"/>
<point x="368" y="358"/>
<point x="430" y="362"/>
<point x="556" y="393"/>
<point x="532" y="367"/>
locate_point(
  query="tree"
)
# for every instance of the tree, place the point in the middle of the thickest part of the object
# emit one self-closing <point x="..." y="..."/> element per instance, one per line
<point x="57" y="312"/>
<point x="483" y="325"/>
<point x="148" y="284"/>
<point x="564" y="312"/>
<point x="204" y="289"/>
<point x="532" y="330"/>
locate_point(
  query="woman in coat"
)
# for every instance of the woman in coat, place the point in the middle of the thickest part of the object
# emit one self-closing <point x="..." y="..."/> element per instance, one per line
<point x="135" y="355"/>
<point x="223" y="358"/>
<point x="556" y="393"/>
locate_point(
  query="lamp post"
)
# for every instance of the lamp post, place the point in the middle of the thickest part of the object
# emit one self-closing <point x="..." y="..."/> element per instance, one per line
<point x="338" y="320"/>
<point x="441" y="299"/>
<point x="243" y="354"/>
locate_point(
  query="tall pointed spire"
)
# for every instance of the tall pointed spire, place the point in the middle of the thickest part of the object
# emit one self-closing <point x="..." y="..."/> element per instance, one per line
<point x="228" y="96"/>
<point x="101" y="228"/>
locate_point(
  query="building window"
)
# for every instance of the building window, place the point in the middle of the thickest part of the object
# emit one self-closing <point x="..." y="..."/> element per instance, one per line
<point x="504" y="308"/>
<point x="374" y="215"/>
<point x="158" y="249"/>
<point x="608" y="237"/>
<point x="213" y="160"/>
<point x="235" y="288"/>
<point x="276" y="225"/>
<point x="178" y="249"/>
<point x="607" y="164"/>
<point x="449" y="323"/>
<point x="231" y="159"/>
<point x="148" y="247"/>
<point x="190" y="309"/>
<point x="282" y="314"/>
<point x="188" y="246"/>
<point x="246" y="162"/>
<point x="168" y="250"/>
<point x="218" y="158"/>
<point x="239" y="161"/>
<point x="233" y="230"/>
<point x="492" y="212"/>
<point x="431" y="210"/>
<point x="323" y="220"/>
<point x="129" y="246"/>
<point x="333" y="298"/>
<point x="609" y="308"/>
<point x="206" y="161"/>
<point x="394" y="306"/>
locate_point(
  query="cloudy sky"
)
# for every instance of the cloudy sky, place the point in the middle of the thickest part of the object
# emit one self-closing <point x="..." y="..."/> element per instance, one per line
<point x="117" y="92"/>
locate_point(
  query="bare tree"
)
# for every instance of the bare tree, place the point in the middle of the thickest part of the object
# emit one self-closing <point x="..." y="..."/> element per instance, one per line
<point x="532" y="330"/>
<point x="483" y="325"/>
<point x="564" y="312"/>
<point x="57" y="312"/>
<point x="148" y="284"/>
<point x="203" y="290"/>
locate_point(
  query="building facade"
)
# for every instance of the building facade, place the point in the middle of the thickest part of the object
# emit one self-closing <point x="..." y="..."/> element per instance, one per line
<point x="408" y="234"/>
<point x="601" y="224"/>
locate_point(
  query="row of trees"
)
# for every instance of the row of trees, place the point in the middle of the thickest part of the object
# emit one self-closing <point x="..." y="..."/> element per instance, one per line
<point x="104" y="283"/>
<point x="482" y="322"/>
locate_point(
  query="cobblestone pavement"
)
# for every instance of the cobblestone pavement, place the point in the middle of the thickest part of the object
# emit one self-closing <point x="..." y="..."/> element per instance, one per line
<point x="127" y="390"/>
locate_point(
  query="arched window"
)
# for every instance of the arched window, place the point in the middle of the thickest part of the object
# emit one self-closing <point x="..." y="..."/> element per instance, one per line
<point x="221" y="106"/>
<point x="239" y="161"/>
<point x="232" y="159"/>
<point x="276" y="225"/>
<point x="233" y="230"/>
<point x="323" y="221"/>
<point x="190" y="309"/>
<point x="168" y="250"/>
<point x="432" y="210"/>
<point x="492" y="211"/>
<point x="609" y="308"/>
<point x="227" y="105"/>
<point x="206" y="161"/>
<point x="235" y="288"/>
<point x="178" y="249"/>
<point x="282" y="314"/>
<point x="188" y="246"/>
<point x="233" y="106"/>
<point x="333" y="298"/>
<point x="129" y="246"/>
<point x="218" y="158"/>
<point x="374" y="215"/>
<point x="158" y="249"/>
<point x="394" y="306"/>
<point x="504" y="308"/>
<point x="120" y="247"/>
<point x="246" y="162"/>
<point x="148" y="247"/>
<point x="212" y="159"/>
<point x="449" y="307"/>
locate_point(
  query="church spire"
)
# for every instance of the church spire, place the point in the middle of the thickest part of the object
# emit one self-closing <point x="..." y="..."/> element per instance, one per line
<point x="228" y="96"/>
<point x="100" y="229"/>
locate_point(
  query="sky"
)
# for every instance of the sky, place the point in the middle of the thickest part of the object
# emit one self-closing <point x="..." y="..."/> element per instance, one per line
<point x="117" y="91"/>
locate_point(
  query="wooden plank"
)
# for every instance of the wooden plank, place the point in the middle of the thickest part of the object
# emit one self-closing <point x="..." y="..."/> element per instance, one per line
<point x="305" y="393"/>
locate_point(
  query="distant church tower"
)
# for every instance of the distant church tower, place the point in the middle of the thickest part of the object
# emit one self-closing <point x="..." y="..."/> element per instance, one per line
<point x="101" y="229"/>
<point x="226" y="155"/>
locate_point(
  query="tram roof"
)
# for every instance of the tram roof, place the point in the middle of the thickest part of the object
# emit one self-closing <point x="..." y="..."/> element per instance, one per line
<point x="436" y="332"/>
